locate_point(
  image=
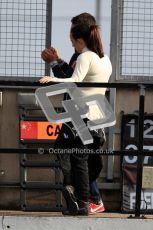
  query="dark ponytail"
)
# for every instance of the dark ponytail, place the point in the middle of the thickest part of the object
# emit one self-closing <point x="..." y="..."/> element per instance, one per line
<point x="91" y="36"/>
<point x="94" y="42"/>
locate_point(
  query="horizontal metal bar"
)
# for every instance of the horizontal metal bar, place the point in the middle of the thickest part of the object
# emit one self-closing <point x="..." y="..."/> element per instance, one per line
<point x="33" y="118"/>
<point x="5" y="184"/>
<point x="26" y="163"/>
<point x="42" y="208"/>
<point x="41" y="185"/>
<point x="36" y="141"/>
<point x="109" y="185"/>
<point x="35" y="84"/>
<point x="103" y="152"/>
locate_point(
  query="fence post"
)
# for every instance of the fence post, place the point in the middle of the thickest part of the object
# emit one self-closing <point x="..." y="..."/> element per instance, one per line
<point x="140" y="149"/>
<point x="48" y="31"/>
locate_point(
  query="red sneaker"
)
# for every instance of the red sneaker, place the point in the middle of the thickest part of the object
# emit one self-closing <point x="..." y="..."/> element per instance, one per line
<point x="96" y="208"/>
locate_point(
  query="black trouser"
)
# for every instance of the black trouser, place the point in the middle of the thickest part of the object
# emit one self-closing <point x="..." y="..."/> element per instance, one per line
<point x="79" y="170"/>
<point x="79" y="175"/>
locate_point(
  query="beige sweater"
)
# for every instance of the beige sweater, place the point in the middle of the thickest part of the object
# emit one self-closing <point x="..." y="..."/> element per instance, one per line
<point x="90" y="68"/>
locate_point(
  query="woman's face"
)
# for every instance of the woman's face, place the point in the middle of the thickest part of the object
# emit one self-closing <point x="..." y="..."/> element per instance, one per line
<point x="78" y="44"/>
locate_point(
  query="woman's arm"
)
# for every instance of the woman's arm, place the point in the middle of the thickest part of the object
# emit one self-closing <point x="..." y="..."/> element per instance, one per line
<point x="80" y="71"/>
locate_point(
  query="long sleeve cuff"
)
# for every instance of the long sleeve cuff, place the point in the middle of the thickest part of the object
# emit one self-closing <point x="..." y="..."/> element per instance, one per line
<point x="61" y="63"/>
<point x="53" y="63"/>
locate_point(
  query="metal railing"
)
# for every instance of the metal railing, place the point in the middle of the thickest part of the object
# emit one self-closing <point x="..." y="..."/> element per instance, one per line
<point x="139" y="152"/>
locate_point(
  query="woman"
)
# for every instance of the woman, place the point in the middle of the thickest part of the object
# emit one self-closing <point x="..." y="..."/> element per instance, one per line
<point x="91" y="66"/>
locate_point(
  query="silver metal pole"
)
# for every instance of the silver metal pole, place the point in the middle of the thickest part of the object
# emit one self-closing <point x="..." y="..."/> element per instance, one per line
<point x="98" y="11"/>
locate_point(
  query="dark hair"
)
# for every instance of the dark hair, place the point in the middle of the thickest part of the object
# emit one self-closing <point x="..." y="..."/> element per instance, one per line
<point x="91" y="37"/>
<point x="84" y="18"/>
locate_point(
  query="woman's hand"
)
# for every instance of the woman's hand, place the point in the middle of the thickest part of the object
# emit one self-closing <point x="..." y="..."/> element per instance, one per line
<point x="46" y="79"/>
<point x="50" y="54"/>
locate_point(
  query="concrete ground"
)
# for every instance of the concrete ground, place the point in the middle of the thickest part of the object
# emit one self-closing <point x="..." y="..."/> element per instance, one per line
<point x="18" y="220"/>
